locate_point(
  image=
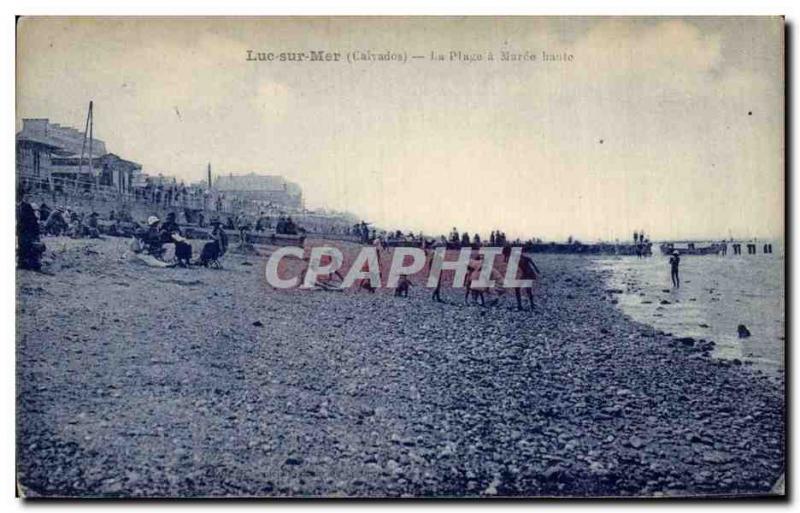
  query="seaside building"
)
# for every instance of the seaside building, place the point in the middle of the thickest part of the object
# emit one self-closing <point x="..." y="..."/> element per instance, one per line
<point x="118" y="172"/>
<point x="49" y="161"/>
<point x="269" y="189"/>
<point x="51" y="153"/>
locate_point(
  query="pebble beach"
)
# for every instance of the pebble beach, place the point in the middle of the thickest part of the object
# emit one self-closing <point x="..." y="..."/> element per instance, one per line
<point x="134" y="381"/>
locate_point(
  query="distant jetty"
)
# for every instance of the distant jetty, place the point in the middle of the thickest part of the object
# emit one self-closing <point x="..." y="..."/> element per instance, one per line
<point x="715" y="248"/>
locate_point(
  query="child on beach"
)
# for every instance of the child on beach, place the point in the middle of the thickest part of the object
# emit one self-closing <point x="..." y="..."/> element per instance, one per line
<point x="674" y="262"/>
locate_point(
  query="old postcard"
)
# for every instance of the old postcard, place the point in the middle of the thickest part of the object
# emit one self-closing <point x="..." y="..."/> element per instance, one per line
<point x="419" y="257"/>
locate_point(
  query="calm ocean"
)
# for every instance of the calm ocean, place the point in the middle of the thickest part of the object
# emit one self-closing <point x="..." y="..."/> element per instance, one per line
<point x="717" y="294"/>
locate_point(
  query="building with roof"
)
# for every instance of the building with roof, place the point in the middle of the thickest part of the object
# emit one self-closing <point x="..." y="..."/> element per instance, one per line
<point x="271" y="189"/>
<point x="52" y="152"/>
<point x="118" y="173"/>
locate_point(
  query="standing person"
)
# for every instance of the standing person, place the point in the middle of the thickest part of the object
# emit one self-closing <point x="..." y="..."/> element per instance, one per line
<point x="437" y="291"/>
<point x="473" y="273"/>
<point x="30" y="248"/>
<point x="437" y="296"/>
<point x="243" y="225"/>
<point x="219" y="236"/>
<point x="291" y="227"/>
<point x="526" y="270"/>
<point x="675" y="262"/>
<point x="379" y="247"/>
<point x="454" y="235"/>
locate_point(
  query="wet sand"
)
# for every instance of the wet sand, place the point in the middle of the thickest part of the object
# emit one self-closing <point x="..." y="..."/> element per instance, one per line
<point x="133" y="381"/>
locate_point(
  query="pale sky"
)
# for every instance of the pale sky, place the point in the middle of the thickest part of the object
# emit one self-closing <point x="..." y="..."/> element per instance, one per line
<point x="689" y="112"/>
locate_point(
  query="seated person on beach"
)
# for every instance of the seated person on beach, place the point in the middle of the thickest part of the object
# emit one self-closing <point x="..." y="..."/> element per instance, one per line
<point x="55" y="223"/>
<point x="151" y="238"/>
<point x="169" y="226"/>
<point x="263" y="223"/>
<point x="44" y="212"/>
<point x="75" y="229"/>
<point x="183" y="250"/>
<point x="90" y="228"/>
<point x="285" y="226"/>
<point x="171" y="232"/>
<point x="213" y="251"/>
<point x="290" y="228"/>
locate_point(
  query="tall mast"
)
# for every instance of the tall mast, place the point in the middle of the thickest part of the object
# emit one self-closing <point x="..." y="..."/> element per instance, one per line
<point x="86" y="132"/>
<point x="91" y="136"/>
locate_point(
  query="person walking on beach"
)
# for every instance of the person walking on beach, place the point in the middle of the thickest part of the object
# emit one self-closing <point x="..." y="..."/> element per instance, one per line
<point x="526" y="270"/>
<point x="675" y="262"/>
<point x="437" y="292"/>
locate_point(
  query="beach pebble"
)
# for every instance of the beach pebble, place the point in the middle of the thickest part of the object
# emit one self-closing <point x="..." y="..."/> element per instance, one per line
<point x="742" y="331"/>
<point x="573" y="399"/>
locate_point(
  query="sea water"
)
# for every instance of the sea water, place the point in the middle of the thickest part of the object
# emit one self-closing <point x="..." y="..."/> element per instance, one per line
<point x="716" y="295"/>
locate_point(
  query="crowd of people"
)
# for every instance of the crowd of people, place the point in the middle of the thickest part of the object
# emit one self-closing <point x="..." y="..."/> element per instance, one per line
<point x="497" y="238"/>
<point x="149" y="242"/>
<point x="167" y="192"/>
<point x="642" y="244"/>
<point x="34" y="222"/>
<point x="148" y="239"/>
